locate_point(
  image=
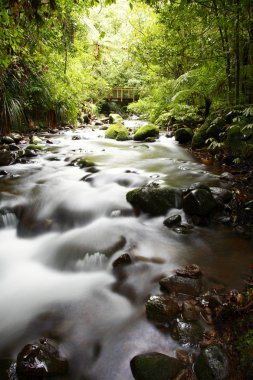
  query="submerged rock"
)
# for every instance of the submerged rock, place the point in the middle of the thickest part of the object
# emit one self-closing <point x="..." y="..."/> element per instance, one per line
<point x="155" y="366"/>
<point x="41" y="359"/>
<point x="155" y="200"/>
<point x="162" y="308"/>
<point x="212" y="364"/>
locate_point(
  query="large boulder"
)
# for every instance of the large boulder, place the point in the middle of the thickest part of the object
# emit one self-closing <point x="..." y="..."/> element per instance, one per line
<point x="149" y="130"/>
<point x="117" y="132"/>
<point x="155" y="200"/>
<point x="162" y="308"/>
<point x="115" y="118"/>
<point x="199" y="202"/>
<point x="183" y="135"/>
<point x="155" y="366"/>
<point x="6" y="157"/>
<point x="41" y="359"/>
<point x="212" y="364"/>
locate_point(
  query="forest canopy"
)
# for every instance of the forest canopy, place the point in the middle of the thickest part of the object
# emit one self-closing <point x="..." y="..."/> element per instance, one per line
<point x="184" y="56"/>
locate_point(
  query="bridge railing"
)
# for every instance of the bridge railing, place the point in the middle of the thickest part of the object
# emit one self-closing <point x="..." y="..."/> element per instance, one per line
<point x="124" y="93"/>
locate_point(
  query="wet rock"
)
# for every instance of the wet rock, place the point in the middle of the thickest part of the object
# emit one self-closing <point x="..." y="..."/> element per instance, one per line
<point x="155" y="200"/>
<point x="6" y="158"/>
<point x="13" y="147"/>
<point x="227" y="177"/>
<point x="76" y="137"/>
<point x="185" y="285"/>
<point x="155" y="366"/>
<point x="212" y="364"/>
<point x="3" y="172"/>
<point x="149" y="130"/>
<point x="16" y="137"/>
<point x="41" y="359"/>
<point x="221" y="195"/>
<point x="190" y="310"/>
<point x="35" y="140"/>
<point x="190" y="333"/>
<point x="172" y="221"/>
<point x="185" y="357"/>
<point x="192" y="271"/>
<point x="82" y="162"/>
<point x="183" y="229"/>
<point x="30" y="153"/>
<point x="199" y="202"/>
<point x="162" y="308"/>
<point x="115" y="118"/>
<point x="122" y="260"/>
<point x="150" y="139"/>
<point x="183" y="135"/>
<point x="196" y="186"/>
<point x="7" y="140"/>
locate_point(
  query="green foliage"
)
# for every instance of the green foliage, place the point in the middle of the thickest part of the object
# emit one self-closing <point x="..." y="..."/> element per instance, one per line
<point x="146" y="131"/>
<point x="244" y="347"/>
<point x="117" y="132"/>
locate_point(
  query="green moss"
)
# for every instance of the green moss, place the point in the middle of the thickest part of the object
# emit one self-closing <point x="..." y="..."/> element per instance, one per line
<point x="150" y="139"/>
<point x="35" y="147"/>
<point x="117" y="132"/>
<point x="149" y="130"/>
<point x="154" y="200"/>
<point x="82" y="162"/>
<point x="115" y="118"/>
<point x="244" y="347"/>
<point x="183" y="135"/>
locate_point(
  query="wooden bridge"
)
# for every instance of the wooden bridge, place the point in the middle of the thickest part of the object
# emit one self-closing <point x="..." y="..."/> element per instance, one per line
<point x="124" y="94"/>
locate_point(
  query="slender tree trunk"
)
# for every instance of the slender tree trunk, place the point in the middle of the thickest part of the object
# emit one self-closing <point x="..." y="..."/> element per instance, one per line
<point x="225" y="48"/>
<point x="237" y="54"/>
<point x="66" y="58"/>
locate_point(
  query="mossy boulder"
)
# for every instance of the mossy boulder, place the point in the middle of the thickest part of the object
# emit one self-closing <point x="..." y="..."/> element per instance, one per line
<point x="155" y="366"/>
<point x="82" y="162"/>
<point x="183" y="135"/>
<point x="212" y="364"/>
<point x="35" y="140"/>
<point x="115" y="118"/>
<point x="155" y="200"/>
<point x="117" y="132"/>
<point x="149" y="130"/>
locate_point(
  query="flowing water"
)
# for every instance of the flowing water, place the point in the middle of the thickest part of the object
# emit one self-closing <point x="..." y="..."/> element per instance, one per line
<point x="56" y="277"/>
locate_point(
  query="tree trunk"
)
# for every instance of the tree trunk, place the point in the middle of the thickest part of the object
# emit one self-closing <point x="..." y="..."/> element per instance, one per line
<point x="51" y="119"/>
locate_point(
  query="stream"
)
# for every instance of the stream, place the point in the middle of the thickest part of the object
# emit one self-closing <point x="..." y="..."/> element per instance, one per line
<point x="56" y="275"/>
